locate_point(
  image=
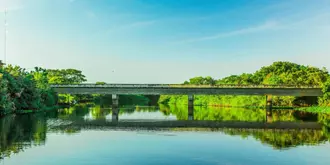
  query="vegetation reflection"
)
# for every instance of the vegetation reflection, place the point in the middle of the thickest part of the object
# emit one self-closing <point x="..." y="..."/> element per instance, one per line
<point x="19" y="132"/>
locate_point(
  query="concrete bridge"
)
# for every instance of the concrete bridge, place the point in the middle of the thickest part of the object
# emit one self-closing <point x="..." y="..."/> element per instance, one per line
<point x="176" y="89"/>
<point x="190" y="90"/>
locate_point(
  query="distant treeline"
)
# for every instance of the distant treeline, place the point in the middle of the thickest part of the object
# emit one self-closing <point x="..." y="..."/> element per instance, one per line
<point x="30" y="90"/>
<point x="22" y="90"/>
<point x="279" y="73"/>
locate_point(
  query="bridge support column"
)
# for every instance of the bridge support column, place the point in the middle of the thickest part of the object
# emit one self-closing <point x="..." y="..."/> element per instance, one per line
<point x="115" y="107"/>
<point x="269" y="116"/>
<point x="190" y="107"/>
<point x="269" y="108"/>
<point x="269" y="102"/>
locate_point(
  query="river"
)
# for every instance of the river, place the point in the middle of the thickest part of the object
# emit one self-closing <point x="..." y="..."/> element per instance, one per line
<point x="82" y="135"/>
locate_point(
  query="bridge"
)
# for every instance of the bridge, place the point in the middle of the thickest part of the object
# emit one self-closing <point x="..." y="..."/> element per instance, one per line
<point x="178" y="89"/>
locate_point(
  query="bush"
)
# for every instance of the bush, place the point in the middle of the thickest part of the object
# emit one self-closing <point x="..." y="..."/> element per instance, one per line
<point x="21" y="90"/>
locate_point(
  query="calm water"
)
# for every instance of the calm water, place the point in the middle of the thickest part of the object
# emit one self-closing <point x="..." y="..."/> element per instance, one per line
<point x="39" y="139"/>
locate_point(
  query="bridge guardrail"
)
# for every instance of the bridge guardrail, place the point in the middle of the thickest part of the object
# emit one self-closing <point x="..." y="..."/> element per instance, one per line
<point x="175" y="86"/>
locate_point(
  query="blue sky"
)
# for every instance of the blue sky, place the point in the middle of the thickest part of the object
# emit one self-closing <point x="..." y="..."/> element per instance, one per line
<point x="165" y="41"/>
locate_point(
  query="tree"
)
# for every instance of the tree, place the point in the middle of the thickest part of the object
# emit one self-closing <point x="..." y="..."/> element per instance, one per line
<point x="325" y="99"/>
<point x="65" y="76"/>
<point x="278" y="73"/>
<point x="202" y="81"/>
<point x="100" y="83"/>
<point x="22" y="90"/>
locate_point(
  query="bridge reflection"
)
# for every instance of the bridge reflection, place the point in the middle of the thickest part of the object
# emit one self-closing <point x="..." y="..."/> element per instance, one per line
<point x="287" y="129"/>
<point x="92" y="112"/>
<point x="279" y="135"/>
<point x="130" y="123"/>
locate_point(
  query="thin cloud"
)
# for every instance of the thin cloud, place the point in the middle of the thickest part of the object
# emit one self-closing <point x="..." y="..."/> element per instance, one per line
<point x="254" y="29"/>
<point x="132" y="25"/>
<point x="319" y="20"/>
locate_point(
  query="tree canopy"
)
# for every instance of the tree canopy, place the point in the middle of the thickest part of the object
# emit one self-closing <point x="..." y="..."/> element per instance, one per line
<point x="286" y="73"/>
<point x="65" y="76"/>
<point x="278" y="73"/>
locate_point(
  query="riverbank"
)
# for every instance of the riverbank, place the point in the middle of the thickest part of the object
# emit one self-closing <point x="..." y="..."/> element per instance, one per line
<point x="31" y="111"/>
<point x="313" y="109"/>
<point x="37" y="111"/>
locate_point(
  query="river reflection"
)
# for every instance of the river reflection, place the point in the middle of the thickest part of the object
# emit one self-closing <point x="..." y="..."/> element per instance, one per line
<point x="18" y="133"/>
<point x="165" y="112"/>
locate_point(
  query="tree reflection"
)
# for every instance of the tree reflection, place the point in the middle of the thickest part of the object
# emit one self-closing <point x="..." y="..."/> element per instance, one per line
<point x="20" y="132"/>
<point x="283" y="139"/>
<point x="237" y="114"/>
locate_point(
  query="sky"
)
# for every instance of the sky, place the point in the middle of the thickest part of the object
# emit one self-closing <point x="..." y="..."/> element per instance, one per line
<point x="164" y="41"/>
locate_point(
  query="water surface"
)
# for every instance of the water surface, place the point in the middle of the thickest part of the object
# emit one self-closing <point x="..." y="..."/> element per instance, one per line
<point x="48" y="138"/>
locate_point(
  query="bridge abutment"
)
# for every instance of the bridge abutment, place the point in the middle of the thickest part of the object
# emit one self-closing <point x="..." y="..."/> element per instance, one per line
<point x="115" y="107"/>
<point x="190" y="107"/>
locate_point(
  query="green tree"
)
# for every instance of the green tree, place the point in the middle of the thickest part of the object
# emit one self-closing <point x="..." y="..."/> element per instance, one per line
<point x="325" y="99"/>
<point x="22" y="90"/>
<point x="65" y="76"/>
<point x="202" y="81"/>
<point x="279" y="73"/>
<point x="100" y="83"/>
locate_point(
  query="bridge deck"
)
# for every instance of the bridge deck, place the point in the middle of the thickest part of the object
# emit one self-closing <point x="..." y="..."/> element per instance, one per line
<point x="177" y="89"/>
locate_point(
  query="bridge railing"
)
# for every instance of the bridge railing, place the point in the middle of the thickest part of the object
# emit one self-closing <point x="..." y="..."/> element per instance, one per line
<point x="175" y="86"/>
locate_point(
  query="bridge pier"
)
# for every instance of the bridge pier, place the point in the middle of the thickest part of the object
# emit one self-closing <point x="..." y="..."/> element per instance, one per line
<point x="269" y="102"/>
<point x="190" y="107"/>
<point x="269" y="108"/>
<point x="269" y="116"/>
<point x="115" y="107"/>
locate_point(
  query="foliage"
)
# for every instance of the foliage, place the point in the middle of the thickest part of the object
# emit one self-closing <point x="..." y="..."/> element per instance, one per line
<point x="18" y="133"/>
<point x="235" y="114"/>
<point x="100" y="83"/>
<point x="277" y="138"/>
<point x="65" y="76"/>
<point x="76" y="111"/>
<point x="123" y="100"/>
<point x="316" y="109"/>
<point x="283" y="139"/>
<point x="325" y="99"/>
<point x="22" y="90"/>
<point x="279" y="73"/>
<point x="48" y="96"/>
<point x="201" y="81"/>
